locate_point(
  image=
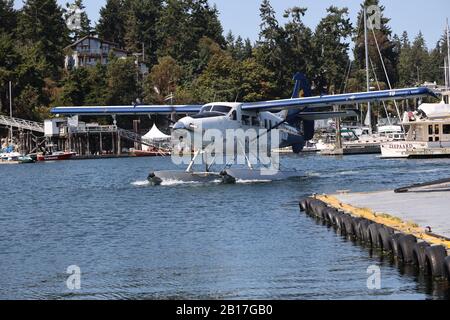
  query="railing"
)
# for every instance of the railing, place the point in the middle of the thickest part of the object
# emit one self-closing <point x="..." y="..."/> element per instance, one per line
<point x="22" y="124"/>
<point x="129" y="135"/>
<point x="96" y="129"/>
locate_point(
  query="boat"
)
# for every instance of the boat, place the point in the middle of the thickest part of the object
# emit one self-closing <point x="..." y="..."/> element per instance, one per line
<point x="428" y="134"/>
<point x="428" y="128"/>
<point x="149" y="153"/>
<point x="55" y="156"/>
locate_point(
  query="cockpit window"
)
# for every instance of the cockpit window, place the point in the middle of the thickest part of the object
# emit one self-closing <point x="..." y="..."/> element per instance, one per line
<point x="206" y="109"/>
<point x="218" y="109"/>
<point x="207" y="115"/>
<point x="222" y="109"/>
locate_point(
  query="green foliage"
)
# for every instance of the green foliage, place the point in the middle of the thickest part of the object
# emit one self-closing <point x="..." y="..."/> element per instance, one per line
<point x="141" y="31"/>
<point x="188" y="55"/>
<point x="122" y="87"/>
<point x="8" y="16"/>
<point x="41" y="24"/>
<point x="84" y="29"/>
<point x="387" y="46"/>
<point x="331" y="50"/>
<point x="112" y="21"/>
<point x="162" y="80"/>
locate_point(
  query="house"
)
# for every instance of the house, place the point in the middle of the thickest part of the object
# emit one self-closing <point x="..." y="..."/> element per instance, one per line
<point x="90" y="51"/>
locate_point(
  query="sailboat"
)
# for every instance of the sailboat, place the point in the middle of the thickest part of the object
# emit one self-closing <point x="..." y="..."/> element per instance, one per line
<point x="362" y="139"/>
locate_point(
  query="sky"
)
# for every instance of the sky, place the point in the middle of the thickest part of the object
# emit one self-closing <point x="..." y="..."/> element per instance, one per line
<point x="242" y="16"/>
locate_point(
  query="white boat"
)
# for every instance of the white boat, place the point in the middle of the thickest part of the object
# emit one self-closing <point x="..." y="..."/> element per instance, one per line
<point x="428" y="134"/>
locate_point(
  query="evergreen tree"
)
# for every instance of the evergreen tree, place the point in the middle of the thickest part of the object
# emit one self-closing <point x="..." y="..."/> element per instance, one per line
<point x="75" y="87"/>
<point x="112" y="21"/>
<point x="122" y="86"/>
<point x="269" y="51"/>
<point x="420" y="59"/>
<point x="77" y="20"/>
<point x="141" y="27"/>
<point x="41" y="24"/>
<point x="387" y="46"/>
<point x="8" y="16"/>
<point x="436" y="60"/>
<point x="204" y="22"/>
<point x="406" y="72"/>
<point x="248" y="49"/>
<point x="331" y="50"/>
<point x="298" y="49"/>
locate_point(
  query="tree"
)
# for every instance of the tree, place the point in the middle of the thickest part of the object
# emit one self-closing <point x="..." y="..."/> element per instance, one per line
<point x="298" y="50"/>
<point x="254" y="83"/>
<point x="406" y="72"/>
<point x="331" y="50"/>
<point x="141" y="30"/>
<point x="112" y="21"/>
<point x="9" y="59"/>
<point x="122" y="87"/>
<point x="75" y="87"/>
<point x="183" y="24"/>
<point x="162" y="80"/>
<point x="269" y="50"/>
<point x="8" y="16"/>
<point x="219" y="81"/>
<point x="41" y="24"/>
<point x="77" y="20"/>
<point x="387" y="46"/>
<point x="420" y="59"/>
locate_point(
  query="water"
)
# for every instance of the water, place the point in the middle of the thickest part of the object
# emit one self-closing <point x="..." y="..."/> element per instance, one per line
<point x="246" y="241"/>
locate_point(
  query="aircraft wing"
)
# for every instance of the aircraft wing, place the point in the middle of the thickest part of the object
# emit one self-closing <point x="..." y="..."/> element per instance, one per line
<point x="127" y="110"/>
<point x="339" y="99"/>
<point x="326" y="115"/>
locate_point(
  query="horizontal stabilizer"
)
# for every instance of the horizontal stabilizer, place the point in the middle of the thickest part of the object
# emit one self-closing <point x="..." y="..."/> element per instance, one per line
<point x="327" y="115"/>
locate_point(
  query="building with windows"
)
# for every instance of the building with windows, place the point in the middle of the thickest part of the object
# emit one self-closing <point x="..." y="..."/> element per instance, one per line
<point x="90" y="51"/>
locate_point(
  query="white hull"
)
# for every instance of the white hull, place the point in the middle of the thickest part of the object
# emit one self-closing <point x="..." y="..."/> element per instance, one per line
<point x="407" y="149"/>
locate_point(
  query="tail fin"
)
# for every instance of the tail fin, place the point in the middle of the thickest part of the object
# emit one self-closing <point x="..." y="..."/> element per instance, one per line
<point x="302" y="89"/>
<point x="302" y="86"/>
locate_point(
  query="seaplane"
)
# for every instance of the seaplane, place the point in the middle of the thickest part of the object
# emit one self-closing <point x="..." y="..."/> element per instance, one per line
<point x="293" y="119"/>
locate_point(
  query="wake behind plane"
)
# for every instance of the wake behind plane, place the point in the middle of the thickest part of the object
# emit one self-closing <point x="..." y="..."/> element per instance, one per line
<point x="293" y="118"/>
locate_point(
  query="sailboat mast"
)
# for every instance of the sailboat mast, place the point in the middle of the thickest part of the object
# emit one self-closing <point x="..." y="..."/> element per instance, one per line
<point x="366" y="42"/>
<point x="10" y="109"/>
<point x="448" y="55"/>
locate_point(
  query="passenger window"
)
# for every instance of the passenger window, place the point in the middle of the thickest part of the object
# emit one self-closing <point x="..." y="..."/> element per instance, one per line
<point x="436" y="129"/>
<point x="430" y="130"/>
<point x="446" y="129"/>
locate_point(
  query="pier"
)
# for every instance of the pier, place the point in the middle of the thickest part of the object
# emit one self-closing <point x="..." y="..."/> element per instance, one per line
<point x="411" y="224"/>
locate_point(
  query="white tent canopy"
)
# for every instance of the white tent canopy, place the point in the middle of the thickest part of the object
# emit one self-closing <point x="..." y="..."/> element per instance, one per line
<point x="156" y="135"/>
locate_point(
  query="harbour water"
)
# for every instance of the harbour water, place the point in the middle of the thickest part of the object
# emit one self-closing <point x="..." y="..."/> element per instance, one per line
<point x="245" y="241"/>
